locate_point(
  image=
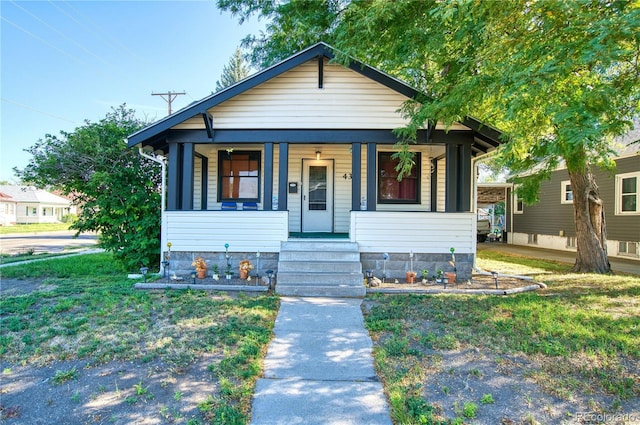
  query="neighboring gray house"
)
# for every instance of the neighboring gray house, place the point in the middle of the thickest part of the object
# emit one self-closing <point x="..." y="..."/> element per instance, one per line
<point x="305" y="146"/>
<point x="550" y="222"/>
<point x="36" y="205"/>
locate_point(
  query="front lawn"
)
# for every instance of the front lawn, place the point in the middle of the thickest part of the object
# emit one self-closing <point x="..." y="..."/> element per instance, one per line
<point x="82" y="311"/>
<point x="565" y="351"/>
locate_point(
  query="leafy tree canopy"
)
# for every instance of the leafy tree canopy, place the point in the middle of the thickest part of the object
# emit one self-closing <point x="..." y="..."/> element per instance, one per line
<point x="116" y="190"/>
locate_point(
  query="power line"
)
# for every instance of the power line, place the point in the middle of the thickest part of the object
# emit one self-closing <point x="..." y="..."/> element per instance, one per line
<point x="171" y="95"/>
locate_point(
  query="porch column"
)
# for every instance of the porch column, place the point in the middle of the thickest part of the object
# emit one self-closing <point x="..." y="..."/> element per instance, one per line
<point x="356" y="171"/>
<point x="371" y="177"/>
<point x="187" y="177"/>
<point x="283" y="177"/>
<point x="434" y="185"/>
<point x="458" y="180"/>
<point x="267" y="202"/>
<point x="173" y="188"/>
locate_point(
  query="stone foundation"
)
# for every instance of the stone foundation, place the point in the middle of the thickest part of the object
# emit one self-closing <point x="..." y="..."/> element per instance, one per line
<point x="399" y="263"/>
<point x="180" y="262"/>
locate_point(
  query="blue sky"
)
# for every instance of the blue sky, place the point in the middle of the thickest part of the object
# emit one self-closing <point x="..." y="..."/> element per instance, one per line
<point x="64" y="62"/>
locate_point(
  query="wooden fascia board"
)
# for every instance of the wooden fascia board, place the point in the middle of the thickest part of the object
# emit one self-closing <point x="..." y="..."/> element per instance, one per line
<point x="488" y="134"/>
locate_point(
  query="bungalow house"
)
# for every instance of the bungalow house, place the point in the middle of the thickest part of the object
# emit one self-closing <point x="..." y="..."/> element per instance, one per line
<point x="7" y="210"/>
<point x="36" y="205"/>
<point x="292" y="168"/>
<point x="550" y="223"/>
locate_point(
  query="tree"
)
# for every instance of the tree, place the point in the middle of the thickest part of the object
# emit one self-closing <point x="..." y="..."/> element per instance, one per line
<point x="560" y="79"/>
<point x="116" y="189"/>
<point x="235" y="71"/>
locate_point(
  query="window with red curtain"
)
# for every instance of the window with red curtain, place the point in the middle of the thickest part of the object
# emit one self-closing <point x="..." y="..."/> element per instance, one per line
<point x="392" y="191"/>
<point x="239" y="176"/>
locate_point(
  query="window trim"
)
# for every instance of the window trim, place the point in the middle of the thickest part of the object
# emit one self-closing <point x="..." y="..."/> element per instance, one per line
<point x="564" y="192"/>
<point x="618" y="193"/>
<point x="516" y="201"/>
<point x="418" y="178"/>
<point x="253" y="154"/>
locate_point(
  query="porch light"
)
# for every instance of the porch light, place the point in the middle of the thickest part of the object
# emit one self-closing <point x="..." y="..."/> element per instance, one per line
<point x="318" y="155"/>
<point x="144" y="271"/>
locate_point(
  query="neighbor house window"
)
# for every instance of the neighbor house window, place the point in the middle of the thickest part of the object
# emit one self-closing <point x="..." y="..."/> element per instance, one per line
<point x="567" y="193"/>
<point x="518" y="204"/>
<point x="392" y="191"/>
<point x="239" y="176"/>
<point x="628" y="193"/>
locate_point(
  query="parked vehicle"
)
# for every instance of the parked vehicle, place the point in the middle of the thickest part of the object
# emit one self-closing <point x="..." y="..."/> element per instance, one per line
<point x="484" y="228"/>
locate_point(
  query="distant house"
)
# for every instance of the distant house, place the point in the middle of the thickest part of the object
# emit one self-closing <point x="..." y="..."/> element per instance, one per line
<point x="305" y="149"/>
<point x="8" y="210"/>
<point x="36" y="205"/>
<point x="550" y="222"/>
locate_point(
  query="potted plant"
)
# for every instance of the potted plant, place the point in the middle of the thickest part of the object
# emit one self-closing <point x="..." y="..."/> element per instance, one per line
<point x="216" y="272"/>
<point x="439" y="276"/>
<point x="411" y="276"/>
<point x="451" y="276"/>
<point x="425" y="275"/>
<point x="228" y="273"/>
<point x="201" y="267"/>
<point x="245" y="268"/>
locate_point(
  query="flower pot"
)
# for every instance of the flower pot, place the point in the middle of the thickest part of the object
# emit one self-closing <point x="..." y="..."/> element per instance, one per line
<point x="201" y="273"/>
<point x="215" y="276"/>
<point x="228" y="276"/>
<point x="244" y="274"/>
<point x="411" y="276"/>
<point x="451" y="277"/>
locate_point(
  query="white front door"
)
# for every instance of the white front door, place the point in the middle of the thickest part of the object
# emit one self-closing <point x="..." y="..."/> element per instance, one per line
<point x="317" y="195"/>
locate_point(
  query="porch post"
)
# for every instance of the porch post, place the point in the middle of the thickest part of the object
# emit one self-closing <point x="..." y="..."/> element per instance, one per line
<point x="187" y="177"/>
<point x="173" y="189"/>
<point x="371" y="177"/>
<point x="283" y="177"/>
<point x="434" y="185"/>
<point x="458" y="177"/>
<point x="267" y="202"/>
<point x="356" y="171"/>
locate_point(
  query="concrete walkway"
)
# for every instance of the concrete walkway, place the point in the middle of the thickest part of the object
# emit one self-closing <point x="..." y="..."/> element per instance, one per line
<point x="319" y="367"/>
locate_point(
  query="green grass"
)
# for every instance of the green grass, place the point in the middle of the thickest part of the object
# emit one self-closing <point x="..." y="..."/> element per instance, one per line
<point x="590" y="322"/>
<point x="31" y="228"/>
<point x="93" y="312"/>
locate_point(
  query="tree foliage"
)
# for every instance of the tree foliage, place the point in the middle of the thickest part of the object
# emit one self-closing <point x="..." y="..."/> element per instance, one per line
<point x="233" y="72"/>
<point x="116" y="190"/>
<point x="559" y="78"/>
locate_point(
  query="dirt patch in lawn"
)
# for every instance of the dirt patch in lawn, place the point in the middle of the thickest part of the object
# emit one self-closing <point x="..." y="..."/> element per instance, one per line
<point x="76" y="392"/>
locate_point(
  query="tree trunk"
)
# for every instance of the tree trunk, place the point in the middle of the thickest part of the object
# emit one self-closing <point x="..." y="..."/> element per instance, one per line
<point x="591" y="234"/>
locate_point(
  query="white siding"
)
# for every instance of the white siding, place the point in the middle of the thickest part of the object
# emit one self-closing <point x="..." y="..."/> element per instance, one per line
<point x="377" y="231"/>
<point x="442" y="164"/>
<point x="293" y="100"/>
<point x="208" y="231"/>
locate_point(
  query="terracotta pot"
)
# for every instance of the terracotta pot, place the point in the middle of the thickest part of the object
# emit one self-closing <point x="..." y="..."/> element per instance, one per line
<point x="451" y="277"/>
<point x="411" y="276"/>
<point x="244" y="274"/>
<point x="201" y="274"/>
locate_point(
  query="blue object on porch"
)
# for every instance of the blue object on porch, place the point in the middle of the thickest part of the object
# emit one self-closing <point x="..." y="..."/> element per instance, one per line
<point x="250" y="206"/>
<point x="229" y="206"/>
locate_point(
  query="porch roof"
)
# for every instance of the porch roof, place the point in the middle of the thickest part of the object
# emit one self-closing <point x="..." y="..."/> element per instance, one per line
<point x="485" y="138"/>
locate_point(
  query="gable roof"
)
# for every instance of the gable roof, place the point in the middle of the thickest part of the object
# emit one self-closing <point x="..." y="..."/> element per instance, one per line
<point x="487" y="137"/>
<point x="28" y="194"/>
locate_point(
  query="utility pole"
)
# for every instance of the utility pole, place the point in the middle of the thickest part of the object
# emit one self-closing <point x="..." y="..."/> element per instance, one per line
<point x="171" y="95"/>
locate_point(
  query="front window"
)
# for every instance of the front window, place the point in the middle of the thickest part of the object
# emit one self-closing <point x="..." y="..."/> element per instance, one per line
<point x="628" y="193"/>
<point x="239" y="176"/>
<point x="392" y="191"/>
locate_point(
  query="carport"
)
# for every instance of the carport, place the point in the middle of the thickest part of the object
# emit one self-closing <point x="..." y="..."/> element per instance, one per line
<point x="488" y="195"/>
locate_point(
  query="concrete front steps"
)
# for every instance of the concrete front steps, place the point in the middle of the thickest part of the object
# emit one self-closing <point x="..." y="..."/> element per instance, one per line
<point x="309" y="268"/>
